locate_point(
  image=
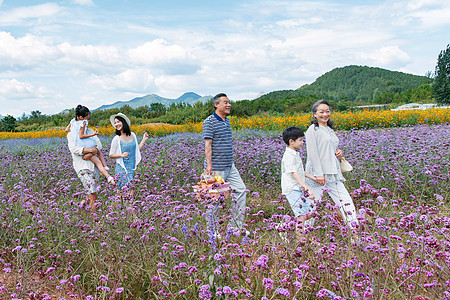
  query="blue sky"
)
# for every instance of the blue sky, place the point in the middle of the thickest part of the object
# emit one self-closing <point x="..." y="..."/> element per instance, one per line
<point x="57" y="54"/>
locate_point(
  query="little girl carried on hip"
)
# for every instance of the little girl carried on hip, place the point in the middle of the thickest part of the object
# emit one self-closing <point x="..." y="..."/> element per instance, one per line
<point x="79" y="127"/>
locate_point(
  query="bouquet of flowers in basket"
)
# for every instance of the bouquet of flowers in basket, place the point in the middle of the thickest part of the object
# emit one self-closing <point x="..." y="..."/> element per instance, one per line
<point x="211" y="189"/>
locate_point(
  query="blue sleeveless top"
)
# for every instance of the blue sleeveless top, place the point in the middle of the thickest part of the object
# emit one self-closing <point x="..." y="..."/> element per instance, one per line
<point x="124" y="176"/>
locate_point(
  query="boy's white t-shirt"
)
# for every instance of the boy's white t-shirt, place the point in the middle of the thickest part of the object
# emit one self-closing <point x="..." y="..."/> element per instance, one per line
<point x="291" y="162"/>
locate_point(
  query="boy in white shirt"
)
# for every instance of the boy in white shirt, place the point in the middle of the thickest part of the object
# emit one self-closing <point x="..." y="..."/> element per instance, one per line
<point x="293" y="185"/>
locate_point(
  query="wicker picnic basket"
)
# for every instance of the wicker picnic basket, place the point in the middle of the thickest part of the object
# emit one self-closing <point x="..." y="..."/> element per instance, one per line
<point x="211" y="189"/>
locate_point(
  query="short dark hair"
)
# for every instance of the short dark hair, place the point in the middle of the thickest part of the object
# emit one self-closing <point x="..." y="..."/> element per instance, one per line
<point x="125" y="128"/>
<point x="217" y="97"/>
<point x="292" y="133"/>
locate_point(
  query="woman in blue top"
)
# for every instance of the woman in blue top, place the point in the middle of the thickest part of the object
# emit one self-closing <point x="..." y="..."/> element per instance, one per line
<point x="125" y="149"/>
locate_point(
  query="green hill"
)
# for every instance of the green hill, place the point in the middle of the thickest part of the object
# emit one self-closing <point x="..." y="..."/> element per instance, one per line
<point x="354" y="83"/>
<point x="344" y="88"/>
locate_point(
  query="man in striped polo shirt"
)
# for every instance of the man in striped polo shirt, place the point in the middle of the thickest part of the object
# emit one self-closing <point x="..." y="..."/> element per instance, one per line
<point x="219" y="158"/>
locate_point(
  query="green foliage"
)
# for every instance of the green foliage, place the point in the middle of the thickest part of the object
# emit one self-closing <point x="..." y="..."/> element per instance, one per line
<point x="422" y="93"/>
<point x="360" y="83"/>
<point x="8" y="123"/>
<point x="441" y="84"/>
<point x="272" y="103"/>
<point x="343" y="87"/>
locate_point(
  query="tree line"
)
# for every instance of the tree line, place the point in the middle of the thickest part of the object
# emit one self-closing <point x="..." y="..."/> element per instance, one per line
<point x="345" y="88"/>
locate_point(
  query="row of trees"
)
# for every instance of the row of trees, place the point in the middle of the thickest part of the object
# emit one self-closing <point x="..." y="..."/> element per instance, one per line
<point x="343" y="87"/>
<point x="360" y="83"/>
<point x="8" y="123"/>
<point x="441" y="86"/>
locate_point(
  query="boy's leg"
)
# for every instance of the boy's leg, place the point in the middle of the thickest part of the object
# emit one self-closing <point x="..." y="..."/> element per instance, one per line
<point x="300" y="227"/>
<point x="344" y="201"/>
<point x="301" y="210"/>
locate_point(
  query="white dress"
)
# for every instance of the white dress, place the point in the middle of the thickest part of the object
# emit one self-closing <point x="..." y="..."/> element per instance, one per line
<point x="75" y="129"/>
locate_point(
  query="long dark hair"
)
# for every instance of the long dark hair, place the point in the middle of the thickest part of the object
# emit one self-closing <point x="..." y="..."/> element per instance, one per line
<point x="314" y="110"/>
<point x="125" y="128"/>
<point x="81" y="111"/>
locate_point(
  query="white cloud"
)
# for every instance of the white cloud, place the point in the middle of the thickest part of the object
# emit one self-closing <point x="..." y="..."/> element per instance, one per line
<point x="388" y="56"/>
<point x="12" y="89"/>
<point x="294" y="23"/>
<point x="18" y="15"/>
<point x="433" y="17"/>
<point x="136" y="80"/>
<point x="172" y="59"/>
<point x="83" y="2"/>
<point x="424" y="4"/>
<point x="26" y="51"/>
<point x="108" y="55"/>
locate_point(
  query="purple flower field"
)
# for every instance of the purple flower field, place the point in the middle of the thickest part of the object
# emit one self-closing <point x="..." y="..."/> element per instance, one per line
<point x="157" y="244"/>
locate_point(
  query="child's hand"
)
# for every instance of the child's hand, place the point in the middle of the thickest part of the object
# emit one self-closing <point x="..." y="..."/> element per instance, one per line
<point x="95" y="131"/>
<point x="320" y="179"/>
<point x="339" y="153"/>
<point x="307" y="192"/>
<point x="125" y="154"/>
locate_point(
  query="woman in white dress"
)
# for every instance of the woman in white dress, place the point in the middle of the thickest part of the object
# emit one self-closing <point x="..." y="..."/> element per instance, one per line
<point x="323" y="162"/>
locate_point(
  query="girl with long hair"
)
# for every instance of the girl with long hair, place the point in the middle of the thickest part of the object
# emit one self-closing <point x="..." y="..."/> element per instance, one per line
<point x="125" y="149"/>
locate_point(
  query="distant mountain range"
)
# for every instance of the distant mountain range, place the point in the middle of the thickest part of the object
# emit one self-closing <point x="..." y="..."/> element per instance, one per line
<point x="147" y="100"/>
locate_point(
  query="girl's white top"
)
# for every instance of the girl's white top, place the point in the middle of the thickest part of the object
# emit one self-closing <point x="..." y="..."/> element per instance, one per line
<point x="321" y="146"/>
<point x="75" y="128"/>
<point x="115" y="149"/>
<point x="77" y="152"/>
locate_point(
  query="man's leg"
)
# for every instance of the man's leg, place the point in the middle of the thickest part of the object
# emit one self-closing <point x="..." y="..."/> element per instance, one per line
<point x="92" y="198"/>
<point x="212" y="212"/>
<point x="90" y="181"/>
<point x="239" y="200"/>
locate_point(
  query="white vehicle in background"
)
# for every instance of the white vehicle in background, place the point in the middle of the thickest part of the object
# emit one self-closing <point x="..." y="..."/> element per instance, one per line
<point x="418" y="106"/>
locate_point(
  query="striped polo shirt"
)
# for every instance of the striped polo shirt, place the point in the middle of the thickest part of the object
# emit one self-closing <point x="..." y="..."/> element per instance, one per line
<point x="219" y="131"/>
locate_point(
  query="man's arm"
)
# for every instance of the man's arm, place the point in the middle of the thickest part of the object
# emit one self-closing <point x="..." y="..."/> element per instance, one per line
<point x="208" y="155"/>
<point x="74" y="149"/>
